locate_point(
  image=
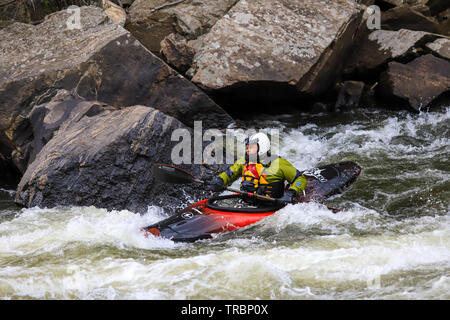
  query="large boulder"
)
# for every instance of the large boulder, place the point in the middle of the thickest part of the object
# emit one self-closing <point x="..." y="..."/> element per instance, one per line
<point x="373" y="49"/>
<point x="150" y="21"/>
<point x="405" y="17"/>
<point x="416" y="84"/>
<point x="294" y="43"/>
<point x="44" y="120"/>
<point x="103" y="158"/>
<point x="96" y="59"/>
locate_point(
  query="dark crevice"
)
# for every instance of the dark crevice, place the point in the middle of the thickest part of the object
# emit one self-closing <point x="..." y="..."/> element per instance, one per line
<point x="384" y="6"/>
<point x="440" y="103"/>
<point x="9" y="175"/>
<point x="242" y="101"/>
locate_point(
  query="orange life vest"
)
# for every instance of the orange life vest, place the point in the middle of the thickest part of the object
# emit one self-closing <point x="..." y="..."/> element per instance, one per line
<point x="254" y="172"/>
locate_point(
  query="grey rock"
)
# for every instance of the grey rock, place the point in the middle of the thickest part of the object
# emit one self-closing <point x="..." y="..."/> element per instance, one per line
<point x="101" y="61"/>
<point x="299" y="43"/>
<point x="44" y="120"/>
<point x="441" y="47"/>
<point x="418" y="83"/>
<point x="104" y="160"/>
<point x="177" y="52"/>
<point x="373" y="49"/>
<point x="405" y="17"/>
<point x="151" y="21"/>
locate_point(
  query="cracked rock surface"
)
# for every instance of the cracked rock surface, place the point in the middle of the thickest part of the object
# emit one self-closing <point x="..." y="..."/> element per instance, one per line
<point x="279" y="41"/>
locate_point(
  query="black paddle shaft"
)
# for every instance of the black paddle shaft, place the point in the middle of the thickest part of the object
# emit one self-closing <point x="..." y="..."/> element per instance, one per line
<point x="172" y="174"/>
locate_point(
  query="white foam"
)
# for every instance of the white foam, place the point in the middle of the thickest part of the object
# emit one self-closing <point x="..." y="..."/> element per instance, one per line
<point x="304" y="251"/>
<point x="39" y="229"/>
<point x="305" y="151"/>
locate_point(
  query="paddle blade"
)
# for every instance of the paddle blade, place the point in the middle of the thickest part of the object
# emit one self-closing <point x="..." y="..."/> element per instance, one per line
<point x="172" y="174"/>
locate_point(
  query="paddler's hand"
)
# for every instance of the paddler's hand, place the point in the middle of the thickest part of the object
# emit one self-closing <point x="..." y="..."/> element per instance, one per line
<point x="288" y="197"/>
<point x="248" y="186"/>
<point x="216" y="185"/>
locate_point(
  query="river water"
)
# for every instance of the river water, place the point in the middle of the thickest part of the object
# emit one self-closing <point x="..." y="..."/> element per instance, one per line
<point x="392" y="241"/>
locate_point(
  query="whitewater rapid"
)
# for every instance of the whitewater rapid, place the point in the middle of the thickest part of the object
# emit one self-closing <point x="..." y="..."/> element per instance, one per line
<point x="392" y="240"/>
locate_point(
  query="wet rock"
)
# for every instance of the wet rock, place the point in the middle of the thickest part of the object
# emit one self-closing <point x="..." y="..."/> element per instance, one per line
<point x="95" y="59"/>
<point x="150" y="21"/>
<point x="369" y="97"/>
<point x="374" y="48"/>
<point x="177" y="52"/>
<point x="44" y="120"/>
<point x="319" y="107"/>
<point x="405" y="17"/>
<point x="104" y="160"/>
<point x="417" y="83"/>
<point x="440" y="47"/>
<point x="295" y="43"/>
<point x="349" y="95"/>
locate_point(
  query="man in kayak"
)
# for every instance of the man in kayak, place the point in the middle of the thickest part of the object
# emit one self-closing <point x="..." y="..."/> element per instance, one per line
<point x="262" y="173"/>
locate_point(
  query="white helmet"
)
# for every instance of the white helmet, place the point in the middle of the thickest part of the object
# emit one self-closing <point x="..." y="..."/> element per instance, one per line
<point x="263" y="142"/>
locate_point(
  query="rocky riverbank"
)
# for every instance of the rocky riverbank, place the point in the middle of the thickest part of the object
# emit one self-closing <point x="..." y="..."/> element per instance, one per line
<point x="90" y="95"/>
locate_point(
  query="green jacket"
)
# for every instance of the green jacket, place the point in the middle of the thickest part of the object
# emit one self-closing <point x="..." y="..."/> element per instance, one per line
<point x="276" y="171"/>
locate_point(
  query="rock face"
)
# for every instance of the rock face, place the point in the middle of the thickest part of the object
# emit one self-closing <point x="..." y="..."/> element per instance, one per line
<point x="44" y="120"/>
<point x="444" y="19"/>
<point x="152" y="20"/>
<point x="9" y="175"/>
<point x="441" y="47"/>
<point x="280" y="41"/>
<point x="103" y="159"/>
<point x="177" y="52"/>
<point x="349" y="95"/>
<point x="405" y="17"/>
<point x="417" y="83"/>
<point x="35" y="11"/>
<point x="375" y="48"/>
<point x="116" y="13"/>
<point x="101" y="61"/>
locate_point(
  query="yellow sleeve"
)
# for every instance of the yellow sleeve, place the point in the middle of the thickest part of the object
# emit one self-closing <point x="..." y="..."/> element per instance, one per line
<point x="293" y="176"/>
<point x="233" y="172"/>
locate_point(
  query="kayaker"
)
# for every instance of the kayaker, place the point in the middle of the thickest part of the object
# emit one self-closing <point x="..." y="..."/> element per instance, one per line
<point x="262" y="173"/>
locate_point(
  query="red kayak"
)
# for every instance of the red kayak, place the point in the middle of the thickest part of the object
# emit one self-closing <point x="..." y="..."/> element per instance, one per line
<point x="206" y="217"/>
<point x="227" y="213"/>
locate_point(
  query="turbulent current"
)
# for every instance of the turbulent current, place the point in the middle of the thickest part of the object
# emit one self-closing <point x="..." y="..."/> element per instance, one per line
<point x="392" y="240"/>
